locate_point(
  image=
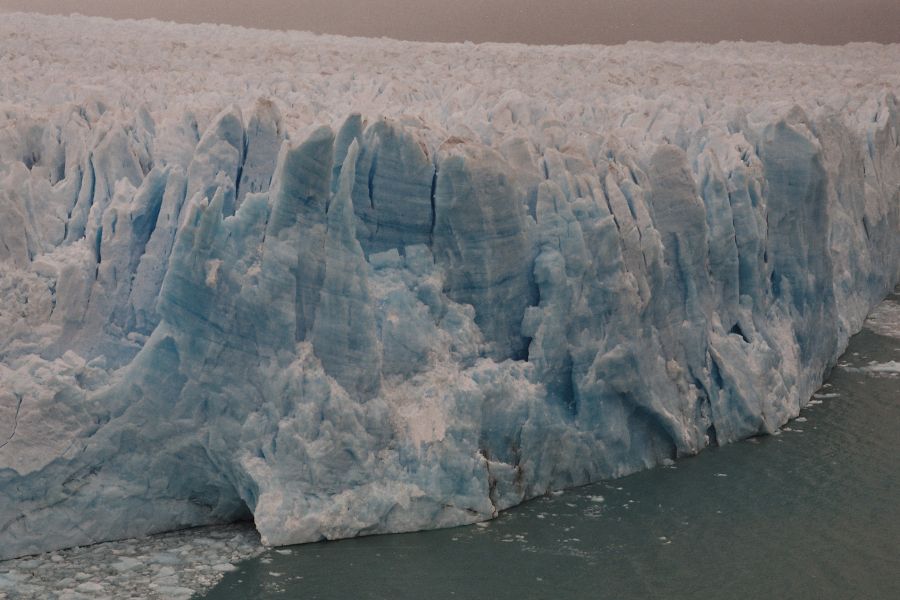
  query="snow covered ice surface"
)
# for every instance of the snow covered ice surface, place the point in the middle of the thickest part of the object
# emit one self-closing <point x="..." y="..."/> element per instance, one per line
<point x="166" y="567"/>
<point x="353" y="286"/>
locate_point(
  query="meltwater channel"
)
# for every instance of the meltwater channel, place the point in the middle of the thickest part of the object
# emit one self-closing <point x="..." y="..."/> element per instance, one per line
<point x="813" y="512"/>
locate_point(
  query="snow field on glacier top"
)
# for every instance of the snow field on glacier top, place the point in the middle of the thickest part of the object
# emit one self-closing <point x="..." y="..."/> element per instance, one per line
<point x="484" y="92"/>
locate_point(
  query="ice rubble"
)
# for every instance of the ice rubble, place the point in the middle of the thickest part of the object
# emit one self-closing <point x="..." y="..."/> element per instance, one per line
<point x="356" y="286"/>
<point x="170" y="566"/>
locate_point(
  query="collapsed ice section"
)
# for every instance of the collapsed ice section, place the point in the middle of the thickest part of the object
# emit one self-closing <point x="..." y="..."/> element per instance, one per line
<point x="375" y="324"/>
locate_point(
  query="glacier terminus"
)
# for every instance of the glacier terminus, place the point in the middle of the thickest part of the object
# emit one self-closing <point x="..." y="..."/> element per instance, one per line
<point x="344" y="287"/>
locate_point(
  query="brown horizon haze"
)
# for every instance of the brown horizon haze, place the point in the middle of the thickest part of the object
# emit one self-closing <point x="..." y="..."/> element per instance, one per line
<point x="526" y="21"/>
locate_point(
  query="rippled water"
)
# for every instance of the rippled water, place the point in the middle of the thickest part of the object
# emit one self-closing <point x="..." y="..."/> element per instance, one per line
<point x="811" y="513"/>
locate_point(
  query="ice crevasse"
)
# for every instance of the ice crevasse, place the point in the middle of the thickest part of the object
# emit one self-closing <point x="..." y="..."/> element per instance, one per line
<point x="422" y="303"/>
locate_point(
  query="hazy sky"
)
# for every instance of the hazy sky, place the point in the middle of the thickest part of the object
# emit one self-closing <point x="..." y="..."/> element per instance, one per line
<point x="530" y="21"/>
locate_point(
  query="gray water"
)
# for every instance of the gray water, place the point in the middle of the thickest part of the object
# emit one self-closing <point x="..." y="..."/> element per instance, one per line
<point x="813" y="512"/>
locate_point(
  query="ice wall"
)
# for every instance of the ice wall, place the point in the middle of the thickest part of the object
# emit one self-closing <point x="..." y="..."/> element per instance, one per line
<point x="357" y="324"/>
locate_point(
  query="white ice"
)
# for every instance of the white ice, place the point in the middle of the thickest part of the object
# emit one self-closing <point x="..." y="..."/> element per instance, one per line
<point x="348" y="286"/>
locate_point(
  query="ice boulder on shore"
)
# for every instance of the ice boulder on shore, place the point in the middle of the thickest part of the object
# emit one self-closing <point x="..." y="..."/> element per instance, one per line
<point x="347" y="286"/>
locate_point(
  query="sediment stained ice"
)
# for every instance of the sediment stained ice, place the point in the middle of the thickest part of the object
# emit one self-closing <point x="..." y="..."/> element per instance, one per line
<point x="351" y="286"/>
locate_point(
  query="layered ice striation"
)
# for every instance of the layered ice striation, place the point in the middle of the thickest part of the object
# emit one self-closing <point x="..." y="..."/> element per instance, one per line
<point x="346" y="287"/>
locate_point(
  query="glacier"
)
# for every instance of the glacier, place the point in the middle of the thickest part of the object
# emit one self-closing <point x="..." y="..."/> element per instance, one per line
<point x="345" y="286"/>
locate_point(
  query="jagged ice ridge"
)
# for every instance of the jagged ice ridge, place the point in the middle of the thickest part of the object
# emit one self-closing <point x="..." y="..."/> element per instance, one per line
<point x="352" y="286"/>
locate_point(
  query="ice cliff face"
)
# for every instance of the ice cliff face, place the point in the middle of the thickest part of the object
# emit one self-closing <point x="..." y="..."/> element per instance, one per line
<point x="222" y="297"/>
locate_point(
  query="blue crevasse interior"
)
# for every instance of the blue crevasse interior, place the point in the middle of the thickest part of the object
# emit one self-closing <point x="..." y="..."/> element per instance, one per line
<point x="363" y="330"/>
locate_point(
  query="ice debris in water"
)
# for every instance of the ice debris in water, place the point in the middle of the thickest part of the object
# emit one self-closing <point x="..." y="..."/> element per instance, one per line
<point x="348" y="286"/>
<point x="170" y="566"/>
<point x="889" y="367"/>
<point x="885" y="319"/>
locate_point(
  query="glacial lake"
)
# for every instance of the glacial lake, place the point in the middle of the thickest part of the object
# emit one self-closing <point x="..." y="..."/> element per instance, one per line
<point x="813" y="512"/>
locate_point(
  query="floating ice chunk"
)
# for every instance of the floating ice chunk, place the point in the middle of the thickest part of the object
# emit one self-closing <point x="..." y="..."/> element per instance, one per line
<point x="888" y="367"/>
<point x="224" y="568"/>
